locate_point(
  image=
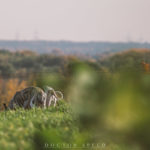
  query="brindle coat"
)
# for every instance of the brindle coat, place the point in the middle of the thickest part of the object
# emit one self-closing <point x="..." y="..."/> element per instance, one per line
<point x="28" y="98"/>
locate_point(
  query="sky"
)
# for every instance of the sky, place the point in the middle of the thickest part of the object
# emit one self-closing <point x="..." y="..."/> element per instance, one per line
<point x="75" y="20"/>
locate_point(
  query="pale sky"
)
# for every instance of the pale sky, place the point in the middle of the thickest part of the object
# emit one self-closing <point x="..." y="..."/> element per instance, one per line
<point x="76" y="20"/>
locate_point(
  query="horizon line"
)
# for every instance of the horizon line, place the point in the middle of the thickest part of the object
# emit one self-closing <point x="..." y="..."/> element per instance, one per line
<point x="72" y="41"/>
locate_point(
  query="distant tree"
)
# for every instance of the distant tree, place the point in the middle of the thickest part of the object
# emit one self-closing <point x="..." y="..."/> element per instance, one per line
<point x="6" y="70"/>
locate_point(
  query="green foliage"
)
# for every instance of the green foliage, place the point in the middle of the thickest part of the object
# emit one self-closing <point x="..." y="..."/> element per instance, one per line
<point x="108" y="103"/>
<point x="110" y="108"/>
<point x="129" y="60"/>
<point x="22" y="129"/>
<point x="113" y="105"/>
<point x="26" y="62"/>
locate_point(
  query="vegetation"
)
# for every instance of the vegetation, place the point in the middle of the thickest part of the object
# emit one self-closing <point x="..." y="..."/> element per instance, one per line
<point x="20" y="129"/>
<point x="106" y="104"/>
<point x="22" y="64"/>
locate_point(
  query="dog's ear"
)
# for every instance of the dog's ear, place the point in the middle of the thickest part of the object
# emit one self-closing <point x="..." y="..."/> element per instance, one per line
<point x="5" y="106"/>
<point x="59" y="94"/>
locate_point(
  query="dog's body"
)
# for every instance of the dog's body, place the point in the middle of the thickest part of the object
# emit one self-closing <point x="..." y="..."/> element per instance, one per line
<point x="28" y="98"/>
<point x="34" y="97"/>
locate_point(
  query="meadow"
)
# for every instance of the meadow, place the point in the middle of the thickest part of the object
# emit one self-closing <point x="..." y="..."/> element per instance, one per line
<point x="105" y="107"/>
<point x="26" y="129"/>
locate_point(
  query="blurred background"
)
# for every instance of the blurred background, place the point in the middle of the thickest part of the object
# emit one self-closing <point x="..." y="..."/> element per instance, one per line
<point x="97" y="52"/>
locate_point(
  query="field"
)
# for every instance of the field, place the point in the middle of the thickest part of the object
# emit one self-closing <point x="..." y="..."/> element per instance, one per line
<point x="26" y="129"/>
<point x="52" y="128"/>
<point x="105" y="106"/>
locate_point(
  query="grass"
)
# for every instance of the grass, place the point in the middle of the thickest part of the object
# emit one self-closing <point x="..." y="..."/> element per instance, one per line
<point x="53" y="128"/>
<point x="22" y="129"/>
